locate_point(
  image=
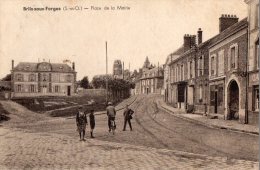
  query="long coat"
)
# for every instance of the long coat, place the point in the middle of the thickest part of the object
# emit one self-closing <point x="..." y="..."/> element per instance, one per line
<point x="81" y="120"/>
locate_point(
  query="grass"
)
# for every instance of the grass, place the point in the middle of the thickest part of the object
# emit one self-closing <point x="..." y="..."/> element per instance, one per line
<point x="3" y="114"/>
<point x="42" y="104"/>
<point x="55" y="104"/>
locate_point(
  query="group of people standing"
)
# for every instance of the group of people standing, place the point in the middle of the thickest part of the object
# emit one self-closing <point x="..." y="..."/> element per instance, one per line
<point x="82" y="121"/>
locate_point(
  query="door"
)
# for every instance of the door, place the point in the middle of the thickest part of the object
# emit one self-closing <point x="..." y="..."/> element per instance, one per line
<point x="44" y="89"/>
<point x="216" y="102"/>
<point x="68" y="90"/>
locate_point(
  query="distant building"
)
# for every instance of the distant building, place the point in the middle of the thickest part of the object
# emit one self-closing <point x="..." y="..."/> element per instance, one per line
<point x="151" y="80"/>
<point x="43" y="79"/>
<point x="117" y="69"/>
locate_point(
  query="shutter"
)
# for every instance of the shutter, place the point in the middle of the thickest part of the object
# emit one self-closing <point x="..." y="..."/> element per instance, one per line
<point x="193" y="68"/>
<point x="236" y="56"/>
<point x="202" y="65"/>
<point x="189" y="71"/>
<point x="228" y="59"/>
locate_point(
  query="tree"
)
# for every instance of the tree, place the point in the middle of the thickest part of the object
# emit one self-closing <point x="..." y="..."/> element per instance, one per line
<point x="7" y="78"/>
<point x="84" y="83"/>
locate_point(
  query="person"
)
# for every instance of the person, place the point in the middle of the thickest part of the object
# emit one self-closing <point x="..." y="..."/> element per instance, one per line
<point x="81" y="121"/>
<point x="111" y="113"/>
<point x="127" y="117"/>
<point x="92" y="122"/>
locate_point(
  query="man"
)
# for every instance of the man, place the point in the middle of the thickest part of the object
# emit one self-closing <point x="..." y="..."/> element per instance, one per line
<point x="111" y="113"/>
<point x="127" y="117"/>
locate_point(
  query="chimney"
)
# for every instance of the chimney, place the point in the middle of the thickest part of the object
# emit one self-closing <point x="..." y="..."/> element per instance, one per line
<point x="187" y="42"/>
<point x="12" y="64"/>
<point x="199" y="36"/>
<point x="226" y="21"/>
<point x="193" y="41"/>
<point x="73" y="66"/>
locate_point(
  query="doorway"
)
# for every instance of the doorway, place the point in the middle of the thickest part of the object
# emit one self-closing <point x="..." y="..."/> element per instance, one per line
<point x="234" y="100"/>
<point x="216" y="102"/>
<point x="68" y="91"/>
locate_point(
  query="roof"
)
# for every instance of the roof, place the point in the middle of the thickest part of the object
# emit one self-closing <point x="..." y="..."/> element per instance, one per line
<point x="43" y="66"/>
<point x="227" y="32"/>
<point x="215" y="39"/>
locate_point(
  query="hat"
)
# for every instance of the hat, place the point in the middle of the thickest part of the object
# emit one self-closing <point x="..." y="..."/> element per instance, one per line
<point x="109" y="103"/>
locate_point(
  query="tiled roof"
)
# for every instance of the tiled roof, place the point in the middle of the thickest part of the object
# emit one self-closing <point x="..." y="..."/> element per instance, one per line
<point x="32" y="67"/>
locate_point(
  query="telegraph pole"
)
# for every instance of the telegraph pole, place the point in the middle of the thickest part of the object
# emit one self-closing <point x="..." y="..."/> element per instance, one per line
<point x="106" y="77"/>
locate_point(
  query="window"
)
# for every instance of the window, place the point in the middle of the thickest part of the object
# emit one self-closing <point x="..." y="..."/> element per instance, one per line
<point x="256" y="16"/>
<point x="213" y="65"/>
<point x="221" y="62"/>
<point x="200" y="92"/>
<point x="201" y="64"/>
<point x="31" y="77"/>
<point x="32" y="88"/>
<point x="233" y="57"/>
<point x="19" y="88"/>
<point x="182" y="76"/>
<point x="44" y="77"/>
<point x="191" y="69"/>
<point x="19" y="77"/>
<point x="257" y="54"/>
<point x="69" y="78"/>
<point x="256" y="98"/>
<point x="56" y="89"/>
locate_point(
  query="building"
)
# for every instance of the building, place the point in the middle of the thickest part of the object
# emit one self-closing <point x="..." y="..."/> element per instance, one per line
<point x="151" y="80"/>
<point x="42" y="79"/>
<point x="168" y="75"/>
<point x="227" y="70"/>
<point x="117" y="69"/>
<point x="253" y="60"/>
<point x="210" y="77"/>
<point x="182" y="74"/>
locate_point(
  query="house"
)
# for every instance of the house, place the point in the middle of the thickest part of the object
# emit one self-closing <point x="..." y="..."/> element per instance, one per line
<point x="42" y="79"/>
<point x="151" y="80"/>
<point x="227" y="70"/>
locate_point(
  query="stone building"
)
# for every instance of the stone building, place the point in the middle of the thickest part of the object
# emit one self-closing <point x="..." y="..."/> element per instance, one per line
<point x="253" y="60"/>
<point x="42" y="79"/>
<point x="182" y="74"/>
<point x="151" y="80"/>
<point x="117" y="69"/>
<point x="227" y="70"/>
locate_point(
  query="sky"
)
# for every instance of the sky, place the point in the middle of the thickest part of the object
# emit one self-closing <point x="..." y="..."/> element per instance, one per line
<point x="149" y="28"/>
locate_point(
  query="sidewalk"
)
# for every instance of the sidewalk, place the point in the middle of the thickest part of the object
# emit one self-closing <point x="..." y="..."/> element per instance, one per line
<point x="204" y="120"/>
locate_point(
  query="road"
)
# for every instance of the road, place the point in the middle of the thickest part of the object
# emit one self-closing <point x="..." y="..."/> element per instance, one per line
<point x="154" y="128"/>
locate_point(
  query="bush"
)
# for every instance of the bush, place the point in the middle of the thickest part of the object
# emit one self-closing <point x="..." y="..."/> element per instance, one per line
<point x="3" y="114"/>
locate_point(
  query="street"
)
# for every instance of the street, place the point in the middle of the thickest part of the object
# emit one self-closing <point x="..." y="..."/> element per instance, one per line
<point x="152" y="128"/>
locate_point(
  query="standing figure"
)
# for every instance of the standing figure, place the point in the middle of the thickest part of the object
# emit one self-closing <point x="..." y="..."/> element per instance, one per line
<point x="111" y="113"/>
<point x="81" y="121"/>
<point x="92" y="122"/>
<point x="127" y="117"/>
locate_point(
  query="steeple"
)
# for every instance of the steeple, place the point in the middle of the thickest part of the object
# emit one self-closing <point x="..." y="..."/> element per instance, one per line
<point x="147" y="63"/>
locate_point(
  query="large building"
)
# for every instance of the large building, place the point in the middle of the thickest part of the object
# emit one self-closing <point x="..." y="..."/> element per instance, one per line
<point x="253" y="60"/>
<point x="42" y="79"/>
<point x="212" y="77"/>
<point x="227" y="71"/>
<point x="151" y="80"/>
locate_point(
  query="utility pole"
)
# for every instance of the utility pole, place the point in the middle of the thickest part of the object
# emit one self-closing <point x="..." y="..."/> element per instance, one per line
<point x="123" y="70"/>
<point x="106" y="77"/>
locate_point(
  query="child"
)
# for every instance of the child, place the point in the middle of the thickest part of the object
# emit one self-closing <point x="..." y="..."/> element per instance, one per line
<point x="81" y="121"/>
<point x="92" y="122"/>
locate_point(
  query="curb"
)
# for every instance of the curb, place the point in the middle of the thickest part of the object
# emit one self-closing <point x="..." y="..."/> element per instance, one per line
<point x="206" y="124"/>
